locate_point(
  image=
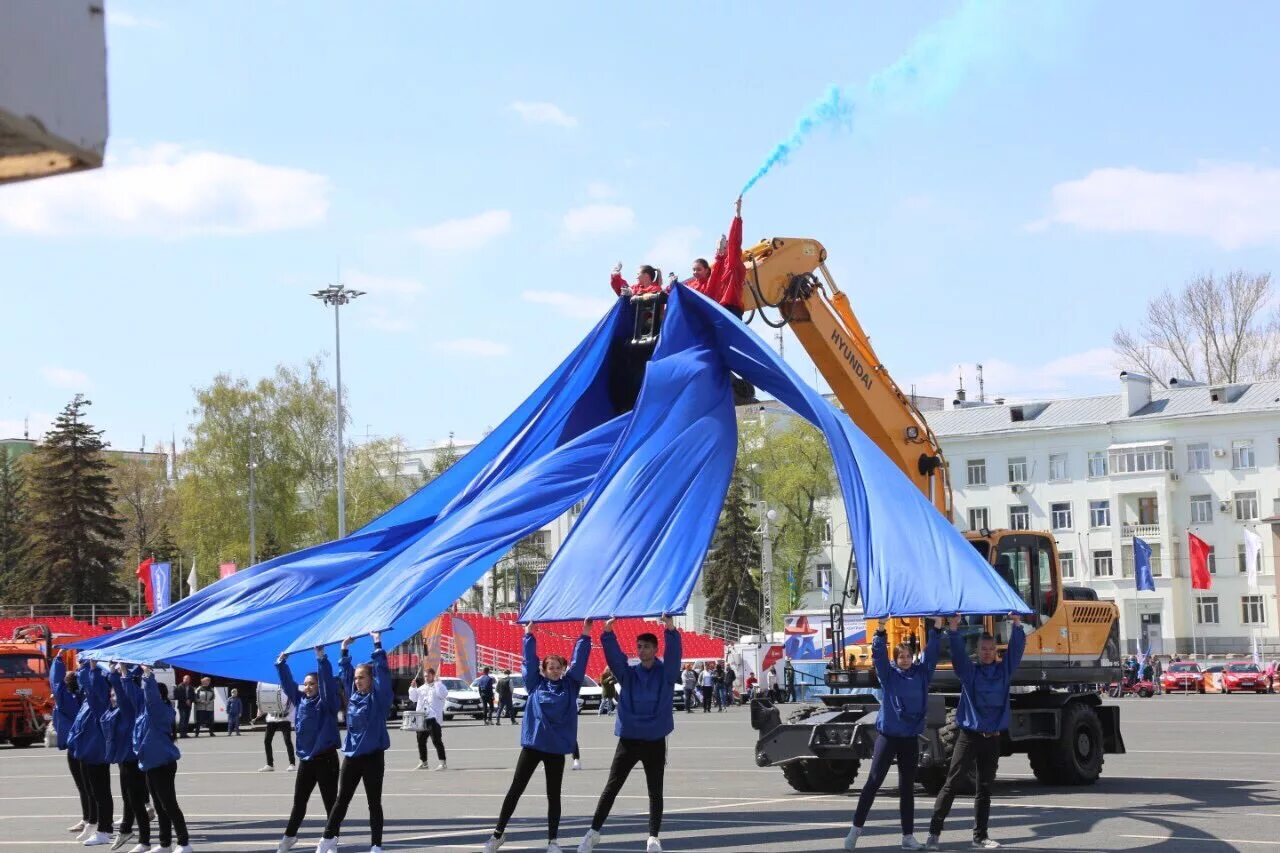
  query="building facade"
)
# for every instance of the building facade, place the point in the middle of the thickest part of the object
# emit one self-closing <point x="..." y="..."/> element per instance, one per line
<point x="1147" y="463"/>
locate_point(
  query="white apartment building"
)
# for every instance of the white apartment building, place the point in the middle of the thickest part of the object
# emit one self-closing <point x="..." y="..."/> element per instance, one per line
<point x="1146" y="462"/>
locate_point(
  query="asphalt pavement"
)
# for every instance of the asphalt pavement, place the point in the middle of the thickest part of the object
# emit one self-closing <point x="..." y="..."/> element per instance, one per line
<point x="1202" y="774"/>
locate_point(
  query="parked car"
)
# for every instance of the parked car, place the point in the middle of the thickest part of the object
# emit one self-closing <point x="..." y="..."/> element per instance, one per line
<point x="1212" y="678"/>
<point x="1183" y="677"/>
<point x="462" y="700"/>
<point x="590" y="695"/>
<point x="1243" y="677"/>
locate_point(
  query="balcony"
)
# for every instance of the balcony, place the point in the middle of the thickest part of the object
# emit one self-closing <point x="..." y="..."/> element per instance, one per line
<point x="1142" y="531"/>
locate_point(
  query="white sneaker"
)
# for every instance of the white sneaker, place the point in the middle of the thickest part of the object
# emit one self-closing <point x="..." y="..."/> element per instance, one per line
<point x="375" y="849"/>
<point x="156" y="848"/>
<point x="140" y="848"/>
<point x="120" y="839"/>
<point x="292" y="768"/>
<point x="554" y="847"/>
<point x="653" y="845"/>
<point x="494" y="842"/>
<point x="97" y="840"/>
<point x="327" y="845"/>
<point x="185" y="848"/>
<point x="931" y="843"/>
<point x="77" y="827"/>
<point x="442" y="766"/>
<point x="422" y="765"/>
<point x="986" y="844"/>
<point x="88" y="830"/>
<point x="266" y="769"/>
<point x="851" y="840"/>
<point x="286" y="844"/>
<point x="577" y="765"/>
<point x="589" y="841"/>
<point x="909" y="843"/>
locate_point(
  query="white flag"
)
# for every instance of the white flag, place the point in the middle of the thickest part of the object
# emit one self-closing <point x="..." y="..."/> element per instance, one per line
<point x="1257" y="656"/>
<point x="1252" y="551"/>
<point x="193" y="583"/>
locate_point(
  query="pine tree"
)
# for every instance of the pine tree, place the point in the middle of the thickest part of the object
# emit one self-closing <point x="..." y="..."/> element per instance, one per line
<point x="75" y="533"/>
<point x="729" y="573"/>
<point x="15" y="543"/>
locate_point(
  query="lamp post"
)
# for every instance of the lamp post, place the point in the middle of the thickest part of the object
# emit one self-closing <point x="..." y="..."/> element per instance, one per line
<point x="337" y="296"/>
<point x="766" y="567"/>
<point x="253" y="503"/>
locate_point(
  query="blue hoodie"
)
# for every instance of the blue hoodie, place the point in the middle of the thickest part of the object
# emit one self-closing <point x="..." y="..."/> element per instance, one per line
<point x="66" y="702"/>
<point x="85" y="739"/>
<point x="153" y="729"/>
<point x="645" y="705"/>
<point x="316" y="719"/>
<point x="906" y="691"/>
<point x="118" y="722"/>
<point x="984" y="690"/>
<point x="551" y="713"/>
<point x="367" y="712"/>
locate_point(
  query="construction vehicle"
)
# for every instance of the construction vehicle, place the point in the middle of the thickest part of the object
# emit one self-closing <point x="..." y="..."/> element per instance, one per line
<point x="1073" y="645"/>
<point x="26" y="705"/>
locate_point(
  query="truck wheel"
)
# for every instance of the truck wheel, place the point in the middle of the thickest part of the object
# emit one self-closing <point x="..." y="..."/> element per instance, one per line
<point x="949" y="734"/>
<point x="1075" y="758"/>
<point x="829" y="776"/>
<point x="794" y="773"/>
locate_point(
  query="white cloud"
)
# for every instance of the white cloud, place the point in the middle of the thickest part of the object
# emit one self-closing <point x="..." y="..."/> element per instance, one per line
<point x="543" y="112"/>
<point x="129" y="21"/>
<point x="598" y="219"/>
<point x="599" y="190"/>
<point x="1234" y="205"/>
<point x="468" y="233"/>
<point x="405" y="288"/>
<point x="1087" y="372"/>
<point x="474" y="346"/>
<point x="675" y="249"/>
<point x="169" y="191"/>
<point x="62" y="377"/>
<point x="573" y="305"/>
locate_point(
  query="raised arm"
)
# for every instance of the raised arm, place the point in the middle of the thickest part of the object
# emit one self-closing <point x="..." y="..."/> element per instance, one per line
<point x="613" y="655"/>
<point x="617" y="282"/>
<point x="581" y="654"/>
<point x="382" y="686"/>
<point x="123" y="700"/>
<point x="880" y="655"/>
<point x="959" y="655"/>
<point x="152" y="692"/>
<point x="57" y="674"/>
<point x="1017" y="644"/>
<point x="932" y="651"/>
<point x="287" y="684"/>
<point x="672" y="650"/>
<point x="325" y="683"/>
<point x="530" y="666"/>
<point x="346" y="672"/>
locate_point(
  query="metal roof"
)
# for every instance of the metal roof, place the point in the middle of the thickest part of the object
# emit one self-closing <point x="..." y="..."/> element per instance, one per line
<point x="1088" y="411"/>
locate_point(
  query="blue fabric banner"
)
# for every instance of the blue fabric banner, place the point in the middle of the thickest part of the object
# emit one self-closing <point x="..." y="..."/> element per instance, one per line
<point x="1142" y="565"/>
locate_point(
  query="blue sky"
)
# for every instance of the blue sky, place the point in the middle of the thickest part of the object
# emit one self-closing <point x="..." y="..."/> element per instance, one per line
<point x="479" y="170"/>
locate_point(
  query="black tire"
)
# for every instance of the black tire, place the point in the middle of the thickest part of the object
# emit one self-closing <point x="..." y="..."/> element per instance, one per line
<point x="23" y="742"/>
<point x="794" y="773"/>
<point x="1144" y="693"/>
<point x="448" y="717"/>
<point x="948" y="734"/>
<point x="829" y="776"/>
<point x="932" y="779"/>
<point x="1076" y="757"/>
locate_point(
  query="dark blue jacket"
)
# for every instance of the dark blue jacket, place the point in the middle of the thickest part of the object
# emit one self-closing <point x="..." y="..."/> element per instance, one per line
<point x="234" y="709"/>
<point x="367" y="712"/>
<point x="85" y="739"/>
<point x="984" y="690"/>
<point x="645" y="702"/>
<point x="906" y="691"/>
<point x="66" y="702"/>
<point x="315" y="720"/>
<point x="118" y="722"/>
<point x="153" y="729"/>
<point x="551" y="713"/>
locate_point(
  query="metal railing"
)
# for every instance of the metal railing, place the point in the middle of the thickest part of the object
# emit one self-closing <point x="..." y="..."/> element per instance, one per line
<point x="1142" y="531"/>
<point x="723" y="629"/>
<point x="83" y="612"/>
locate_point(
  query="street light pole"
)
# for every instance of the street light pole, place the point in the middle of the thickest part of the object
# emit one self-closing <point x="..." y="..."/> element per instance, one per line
<point x="766" y="566"/>
<point x="337" y="296"/>
<point x="253" y="503"/>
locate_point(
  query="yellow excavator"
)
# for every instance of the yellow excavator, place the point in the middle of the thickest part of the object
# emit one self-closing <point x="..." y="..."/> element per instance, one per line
<point x="1058" y="717"/>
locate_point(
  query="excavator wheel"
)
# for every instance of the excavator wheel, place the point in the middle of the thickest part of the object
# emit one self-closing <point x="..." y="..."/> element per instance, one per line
<point x="820" y="775"/>
<point x="794" y="773"/>
<point x="1076" y="757"/>
<point x="932" y="779"/>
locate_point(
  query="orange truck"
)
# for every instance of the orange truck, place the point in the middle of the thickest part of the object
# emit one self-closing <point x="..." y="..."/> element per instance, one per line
<point x="26" y="705"/>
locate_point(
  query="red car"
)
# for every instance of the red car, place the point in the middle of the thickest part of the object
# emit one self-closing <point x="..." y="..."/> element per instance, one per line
<point x="1243" y="677"/>
<point x="1182" y="677"/>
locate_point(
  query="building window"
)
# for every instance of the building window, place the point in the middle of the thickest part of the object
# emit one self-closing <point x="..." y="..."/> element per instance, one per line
<point x="1017" y="469"/>
<point x="1246" y="505"/>
<point x="1099" y="514"/>
<point x="1211" y="560"/>
<point x="1156" y="562"/>
<point x="1067" y="562"/>
<point x="1060" y="516"/>
<point x="1242" y="454"/>
<point x="1252" y="611"/>
<point x="1198" y="457"/>
<point x="1202" y="509"/>
<point x="1240" y="560"/>
<point x="1102" y="566"/>
<point x="979" y="518"/>
<point x="1019" y="518"/>
<point x="1136" y="460"/>
<point x="1098" y="463"/>
<point x="1057" y="466"/>
<point x="977" y="472"/>
<point x="1207" y="610"/>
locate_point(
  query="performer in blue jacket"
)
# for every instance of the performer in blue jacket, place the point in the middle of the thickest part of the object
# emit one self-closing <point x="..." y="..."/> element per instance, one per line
<point x="983" y="714"/>
<point x="316" y="724"/>
<point x="369" y="695"/>
<point x="549" y="729"/>
<point x="65" y="690"/>
<point x="158" y="758"/>
<point x="117" y="729"/>
<point x="86" y="742"/>
<point x="645" y="719"/>
<point x="905" y="686"/>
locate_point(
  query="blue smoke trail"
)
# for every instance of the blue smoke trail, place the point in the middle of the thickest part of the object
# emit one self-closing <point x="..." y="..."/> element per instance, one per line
<point x="926" y="75"/>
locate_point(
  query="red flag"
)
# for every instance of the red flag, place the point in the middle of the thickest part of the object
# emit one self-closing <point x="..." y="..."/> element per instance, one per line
<point x="1200" y="577"/>
<point x="144" y="575"/>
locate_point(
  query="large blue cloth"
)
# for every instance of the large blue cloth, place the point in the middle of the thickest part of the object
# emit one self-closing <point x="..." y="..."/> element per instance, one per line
<point x="653" y="479"/>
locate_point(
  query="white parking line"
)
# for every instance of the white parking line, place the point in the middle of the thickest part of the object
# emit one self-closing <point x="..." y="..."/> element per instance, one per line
<point x="1201" y="840"/>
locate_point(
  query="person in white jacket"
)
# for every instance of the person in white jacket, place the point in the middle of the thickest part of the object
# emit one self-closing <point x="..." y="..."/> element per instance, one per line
<point x="428" y="694"/>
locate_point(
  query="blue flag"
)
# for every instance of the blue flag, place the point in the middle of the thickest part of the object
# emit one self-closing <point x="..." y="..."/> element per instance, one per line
<point x="160" y="585"/>
<point x="1142" y="565"/>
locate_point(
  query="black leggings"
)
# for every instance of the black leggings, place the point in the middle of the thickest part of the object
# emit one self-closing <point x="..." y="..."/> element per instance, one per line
<point x="319" y="770"/>
<point x="972" y="748"/>
<point x="653" y="755"/>
<point x="432" y="731"/>
<point x="133" y="790"/>
<point x="82" y="788"/>
<point x="367" y="768"/>
<point x="98" y="779"/>
<point x="284" y="728"/>
<point x="553" y="767"/>
<point x="906" y="751"/>
<point x="165" y="799"/>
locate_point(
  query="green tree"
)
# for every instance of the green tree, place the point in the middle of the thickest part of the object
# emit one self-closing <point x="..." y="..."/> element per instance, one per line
<point x="376" y="482"/>
<point x="147" y="507"/>
<point x="729" y="575"/>
<point x="15" y="542"/>
<point x="75" y="534"/>
<point x="443" y="459"/>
